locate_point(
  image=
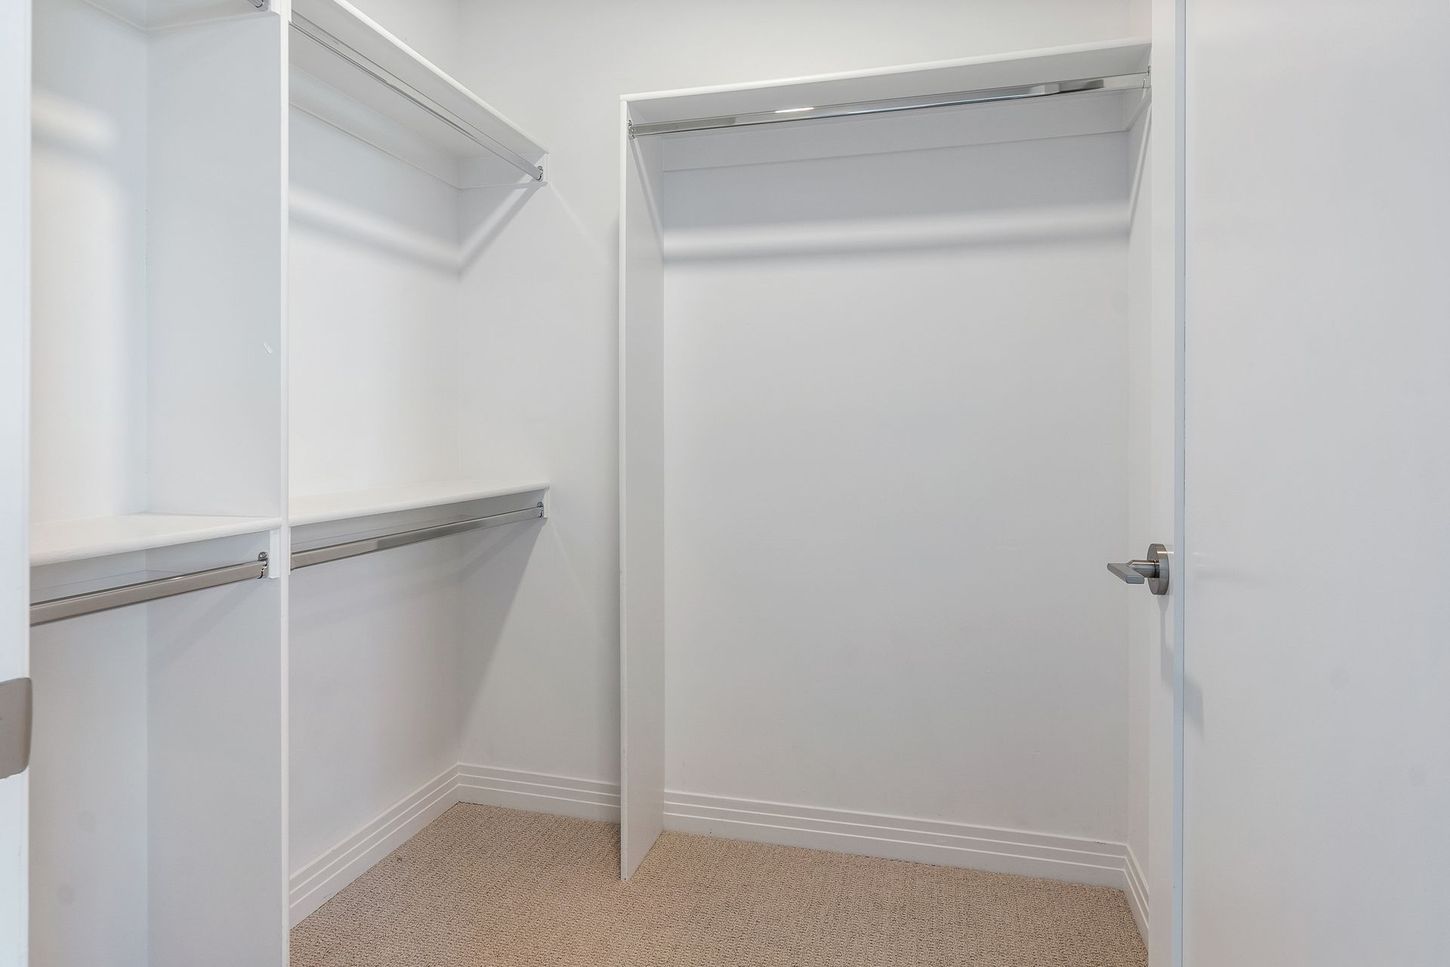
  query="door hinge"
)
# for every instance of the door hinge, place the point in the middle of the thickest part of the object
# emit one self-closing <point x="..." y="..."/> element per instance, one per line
<point x="15" y="715"/>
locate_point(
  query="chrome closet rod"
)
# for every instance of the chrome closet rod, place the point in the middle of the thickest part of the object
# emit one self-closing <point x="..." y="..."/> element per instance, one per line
<point x="890" y="105"/>
<point x="383" y="76"/>
<point x="71" y="606"/>
<point x="368" y="545"/>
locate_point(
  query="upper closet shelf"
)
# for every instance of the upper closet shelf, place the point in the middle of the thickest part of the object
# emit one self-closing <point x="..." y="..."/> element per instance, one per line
<point x="317" y="509"/>
<point x="56" y="542"/>
<point x="1057" y="92"/>
<point x="376" y="88"/>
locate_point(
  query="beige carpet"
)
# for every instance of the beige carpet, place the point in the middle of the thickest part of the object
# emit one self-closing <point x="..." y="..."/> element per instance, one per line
<point x="488" y="886"/>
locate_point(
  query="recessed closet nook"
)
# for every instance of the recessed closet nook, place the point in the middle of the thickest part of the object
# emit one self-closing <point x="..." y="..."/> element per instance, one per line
<point x="880" y="340"/>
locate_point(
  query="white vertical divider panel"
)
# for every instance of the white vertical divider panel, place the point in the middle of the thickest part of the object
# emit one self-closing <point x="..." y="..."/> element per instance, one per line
<point x="215" y="266"/>
<point x="14" y="465"/>
<point x="281" y="570"/>
<point x="641" y="507"/>
<point x="214" y="797"/>
<point x="216" y="671"/>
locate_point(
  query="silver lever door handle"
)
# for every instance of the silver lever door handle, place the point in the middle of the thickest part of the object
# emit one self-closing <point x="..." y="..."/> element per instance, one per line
<point x="1135" y="572"/>
<point x="1153" y="571"/>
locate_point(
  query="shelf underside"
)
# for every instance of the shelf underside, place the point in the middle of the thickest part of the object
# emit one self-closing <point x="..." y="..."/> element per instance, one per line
<point x="1108" y="59"/>
<point x="353" y="74"/>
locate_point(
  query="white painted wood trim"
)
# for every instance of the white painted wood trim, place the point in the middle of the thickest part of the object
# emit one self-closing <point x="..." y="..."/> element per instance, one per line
<point x="1067" y="858"/>
<point x="1136" y="890"/>
<point x="322" y="879"/>
<point x="538" y="792"/>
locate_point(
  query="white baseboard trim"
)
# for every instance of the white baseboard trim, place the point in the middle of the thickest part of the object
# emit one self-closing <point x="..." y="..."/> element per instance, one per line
<point x="1068" y="858"/>
<point x="539" y="792"/>
<point x="1137" y="891"/>
<point x="322" y="879"/>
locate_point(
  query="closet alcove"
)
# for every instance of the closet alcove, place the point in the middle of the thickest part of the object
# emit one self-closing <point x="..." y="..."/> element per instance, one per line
<point x="882" y="339"/>
<point x="251" y="228"/>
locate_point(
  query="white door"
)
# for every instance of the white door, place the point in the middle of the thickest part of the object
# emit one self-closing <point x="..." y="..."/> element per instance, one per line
<point x="14" y="417"/>
<point x="1317" y="648"/>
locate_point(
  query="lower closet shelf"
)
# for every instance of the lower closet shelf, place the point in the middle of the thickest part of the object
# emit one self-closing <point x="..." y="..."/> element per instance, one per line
<point x="60" y="541"/>
<point x="321" y="508"/>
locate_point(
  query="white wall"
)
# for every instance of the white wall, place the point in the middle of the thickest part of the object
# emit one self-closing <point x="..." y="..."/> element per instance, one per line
<point x="372" y="317"/>
<point x="374" y="709"/>
<point x="559" y="70"/>
<point x="892" y="476"/>
<point x="428" y="26"/>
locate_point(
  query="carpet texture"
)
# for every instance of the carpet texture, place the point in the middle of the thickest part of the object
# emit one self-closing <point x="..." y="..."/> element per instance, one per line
<point x="488" y="886"/>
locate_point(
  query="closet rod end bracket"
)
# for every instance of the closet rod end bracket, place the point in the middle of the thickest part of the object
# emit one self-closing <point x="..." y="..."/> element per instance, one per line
<point x="275" y="553"/>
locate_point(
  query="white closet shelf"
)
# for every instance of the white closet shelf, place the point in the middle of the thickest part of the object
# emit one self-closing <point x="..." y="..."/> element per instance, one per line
<point x="1023" y="96"/>
<point x="59" y="541"/>
<point x="320" y="508"/>
<point x="374" y="85"/>
<point x="1105" y="59"/>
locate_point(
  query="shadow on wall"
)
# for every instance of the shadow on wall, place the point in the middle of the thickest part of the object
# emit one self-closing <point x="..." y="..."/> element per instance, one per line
<point x="516" y="644"/>
<point x="490" y="577"/>
<point x="884" y="197"/>
<point x="484" y="215"/>
<point x="348" y="191"/>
